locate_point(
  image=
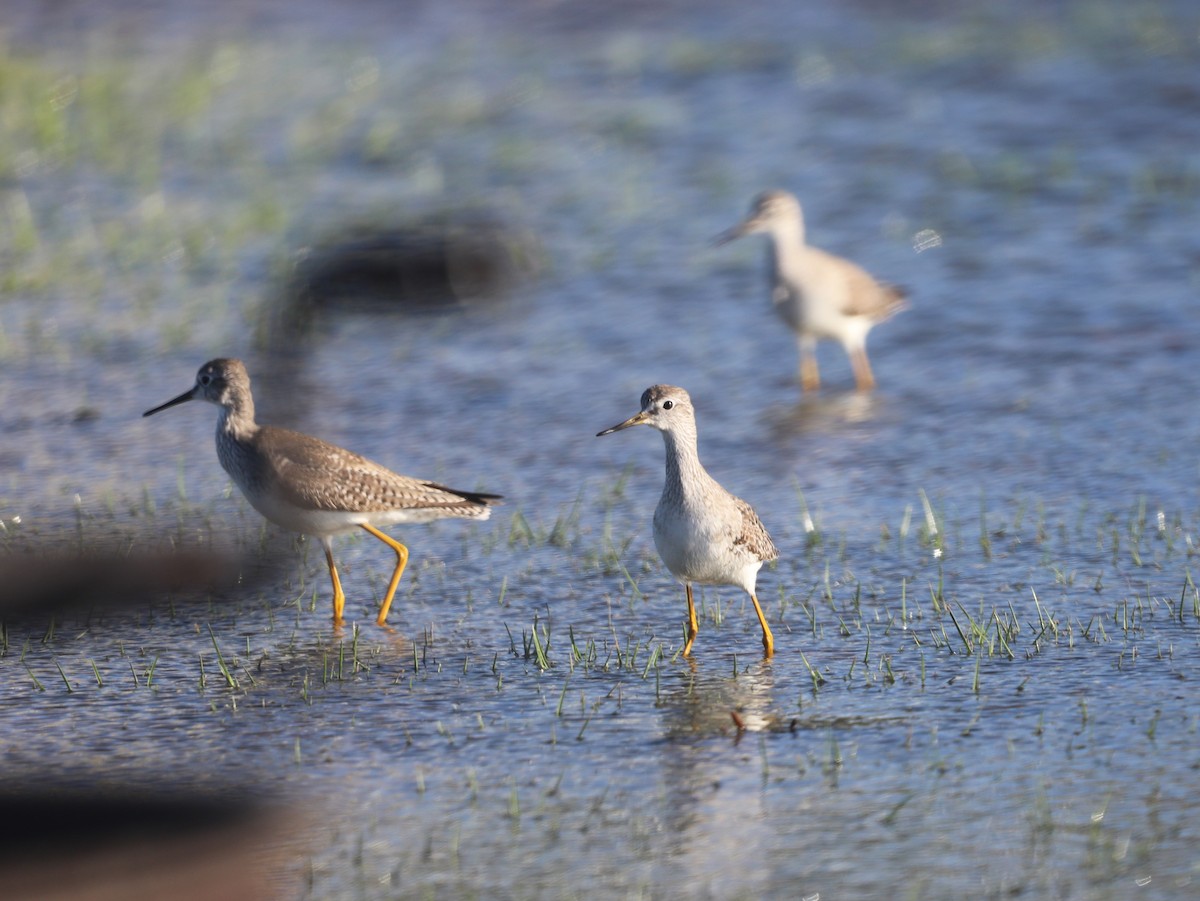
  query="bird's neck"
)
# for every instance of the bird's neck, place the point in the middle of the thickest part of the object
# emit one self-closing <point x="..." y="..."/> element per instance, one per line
<point x="787" y="232"/>
<point x="236" y="431"/>
<point x="236" y="419"/>
<point x="683" y="461"/>
<point x="786" y="250"/>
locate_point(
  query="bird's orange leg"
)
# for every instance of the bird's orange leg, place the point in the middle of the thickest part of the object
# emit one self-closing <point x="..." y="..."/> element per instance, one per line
<point x="339" y="598"/>
<point x="693" y="626"/>
<point x="768" y="638"/>
<point x="862" y="369"/>
<point x="401" y="562"/>
<point x="810" y="375"/>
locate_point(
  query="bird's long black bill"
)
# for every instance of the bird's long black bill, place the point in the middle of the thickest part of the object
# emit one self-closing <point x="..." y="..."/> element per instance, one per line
<point x="730" y="235"/>
<point x="183" y="398"/>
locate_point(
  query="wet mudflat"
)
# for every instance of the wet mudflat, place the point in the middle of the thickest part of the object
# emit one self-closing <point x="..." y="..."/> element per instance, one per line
<point x="985" y="614"/>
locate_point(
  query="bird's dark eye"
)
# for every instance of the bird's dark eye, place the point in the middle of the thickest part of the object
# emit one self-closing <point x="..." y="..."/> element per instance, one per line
<point x="205" y="380"/>
<point x="668" y="404"/>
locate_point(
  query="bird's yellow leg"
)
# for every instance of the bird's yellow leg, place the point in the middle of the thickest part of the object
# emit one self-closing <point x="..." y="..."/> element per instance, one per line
<point x="693" y="626"/>
<point x="339" y="598"/>
<point x="401" y="562"/>
<point x="768" y="638"/>
<point x="810" y="376"/>
<point x="862" y="369"/>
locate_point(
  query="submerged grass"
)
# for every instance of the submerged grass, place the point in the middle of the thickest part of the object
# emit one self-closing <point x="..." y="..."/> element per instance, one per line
<point x="1007" y="630"/>
<point x="595" y="688"/>
<point x="932" y="669"/>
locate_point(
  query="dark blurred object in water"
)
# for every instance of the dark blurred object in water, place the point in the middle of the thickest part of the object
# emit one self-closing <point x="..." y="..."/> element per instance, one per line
<point x="441" y="264"/>
<point x="122" y="845"/>
<point x="39" y="581"/>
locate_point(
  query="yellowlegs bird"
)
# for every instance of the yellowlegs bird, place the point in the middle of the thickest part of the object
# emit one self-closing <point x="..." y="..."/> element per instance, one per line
<point x="703" y="533"/>
<point x="818" y="294"/>
<point x="309" y="486"/>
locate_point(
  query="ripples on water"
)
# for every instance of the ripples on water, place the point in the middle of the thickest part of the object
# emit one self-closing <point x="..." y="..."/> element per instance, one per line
<point x="1003" y="704"/>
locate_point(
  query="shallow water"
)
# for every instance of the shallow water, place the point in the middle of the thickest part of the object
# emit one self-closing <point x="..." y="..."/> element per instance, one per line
<point x="1003" y="703"/>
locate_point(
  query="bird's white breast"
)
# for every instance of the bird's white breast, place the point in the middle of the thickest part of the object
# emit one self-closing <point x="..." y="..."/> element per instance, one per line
<point x="696" y="546"/>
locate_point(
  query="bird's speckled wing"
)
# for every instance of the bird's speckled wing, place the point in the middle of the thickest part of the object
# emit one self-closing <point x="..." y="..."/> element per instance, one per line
<point x="864" y="294"/>
<point x="313" y="474"/>
<point x="753" y="534"/>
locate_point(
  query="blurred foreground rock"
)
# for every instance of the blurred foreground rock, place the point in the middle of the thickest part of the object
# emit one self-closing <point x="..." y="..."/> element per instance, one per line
<point x="444" y="264"/>
<point x="124" y="846"/>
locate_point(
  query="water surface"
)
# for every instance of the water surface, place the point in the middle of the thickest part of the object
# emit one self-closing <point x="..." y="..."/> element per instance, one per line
<point x="985" y="620"/>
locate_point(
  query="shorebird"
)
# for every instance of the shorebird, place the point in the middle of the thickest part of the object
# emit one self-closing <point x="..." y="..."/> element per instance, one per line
<point x="313" y="487"/>
<point x="703" y="533"/>
<point x="818" y="294"/>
